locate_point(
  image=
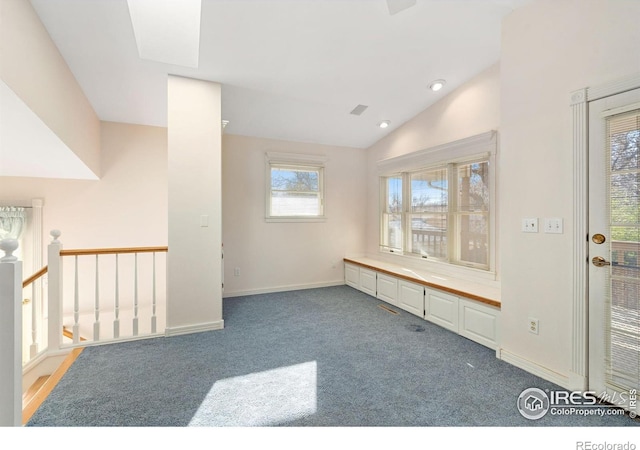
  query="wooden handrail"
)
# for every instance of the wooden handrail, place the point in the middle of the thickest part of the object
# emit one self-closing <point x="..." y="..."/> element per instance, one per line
<point x="94" y="251"/>
<point x="112" y="251"/>
<point x="34" y="277"/>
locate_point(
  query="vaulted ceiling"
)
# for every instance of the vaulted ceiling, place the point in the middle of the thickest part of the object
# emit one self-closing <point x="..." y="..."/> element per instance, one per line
<point x="289" y="69"/>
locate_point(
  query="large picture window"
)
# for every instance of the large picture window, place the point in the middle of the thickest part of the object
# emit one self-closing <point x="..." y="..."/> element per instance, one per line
<point x="295" y="187"/>
<point x="440" y="211"/>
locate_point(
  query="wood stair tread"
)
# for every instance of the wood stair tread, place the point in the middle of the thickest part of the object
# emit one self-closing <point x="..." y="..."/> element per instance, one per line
<point x="47" y="383"/>
<point x="33" y="389"/>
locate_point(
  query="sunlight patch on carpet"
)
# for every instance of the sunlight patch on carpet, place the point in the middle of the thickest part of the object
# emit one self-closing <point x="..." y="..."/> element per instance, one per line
<point x="265" y="398"/>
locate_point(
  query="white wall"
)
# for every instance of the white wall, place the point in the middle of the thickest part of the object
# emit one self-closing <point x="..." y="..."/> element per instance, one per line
<point x="545" y="56"/>
<point x="127" y="207"/>
<point x="34" y="69"/>
<point x="194" y="277"/>
<point x="277" y="256"/>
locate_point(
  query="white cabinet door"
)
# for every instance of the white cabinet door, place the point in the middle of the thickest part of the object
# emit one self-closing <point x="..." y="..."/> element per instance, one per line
<point x="411" y="297"/>
<point x="387" y="288"/>
<point x="442" y="309"/>
<point x="479" y="323"/>
<point x="352" y="275"/>
<point x="368" y="281"/>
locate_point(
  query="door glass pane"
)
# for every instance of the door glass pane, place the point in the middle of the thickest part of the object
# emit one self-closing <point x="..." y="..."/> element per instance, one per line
<point x="623" y="312"/>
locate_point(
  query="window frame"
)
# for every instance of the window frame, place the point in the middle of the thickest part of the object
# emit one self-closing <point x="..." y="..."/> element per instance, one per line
<point x="452" y="155"/>
<point x="294" y="161"/>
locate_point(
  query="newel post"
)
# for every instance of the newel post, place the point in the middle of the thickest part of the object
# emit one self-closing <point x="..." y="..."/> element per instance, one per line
<point x="10" y="335"/>
<point x="54" y="262"/>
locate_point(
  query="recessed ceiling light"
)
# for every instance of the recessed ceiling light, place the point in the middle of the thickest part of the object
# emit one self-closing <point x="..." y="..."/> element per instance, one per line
<point x="437" y="85"/>
<point x="384" y="124"/>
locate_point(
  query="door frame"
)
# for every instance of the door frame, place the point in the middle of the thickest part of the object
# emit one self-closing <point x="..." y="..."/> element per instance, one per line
<point x="580" y="99"/>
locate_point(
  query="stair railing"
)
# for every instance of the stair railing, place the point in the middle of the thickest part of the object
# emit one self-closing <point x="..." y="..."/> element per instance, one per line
<point x="83" y="296"/>
<point x="118" y="293"/>
<point x="57" y="326"/>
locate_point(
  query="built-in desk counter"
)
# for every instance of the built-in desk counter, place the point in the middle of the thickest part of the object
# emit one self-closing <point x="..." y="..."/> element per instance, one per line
<point x="468" y="308"/>
<point x="468" y="289"/>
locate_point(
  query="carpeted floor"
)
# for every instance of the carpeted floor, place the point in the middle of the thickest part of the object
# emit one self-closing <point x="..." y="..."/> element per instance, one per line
<point x="318" y="357"/>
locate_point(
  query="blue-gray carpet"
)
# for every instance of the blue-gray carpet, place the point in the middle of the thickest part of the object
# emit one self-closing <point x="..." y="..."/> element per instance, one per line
<point x="318" y="357"/>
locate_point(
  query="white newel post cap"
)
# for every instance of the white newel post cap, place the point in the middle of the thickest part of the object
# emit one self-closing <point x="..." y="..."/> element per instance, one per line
<point x="8" y="246"/>
<point x="55" y="234"/>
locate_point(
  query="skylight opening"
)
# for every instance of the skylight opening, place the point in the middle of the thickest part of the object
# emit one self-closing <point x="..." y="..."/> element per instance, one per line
<point x="167" y="31"/>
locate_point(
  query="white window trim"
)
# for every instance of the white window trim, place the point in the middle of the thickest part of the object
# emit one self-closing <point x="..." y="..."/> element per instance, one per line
<point x="483" y="145"/>
<point x="299" y="160"/>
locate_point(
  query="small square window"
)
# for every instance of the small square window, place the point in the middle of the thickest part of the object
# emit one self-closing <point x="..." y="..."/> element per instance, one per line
<point x="295" y="189"/>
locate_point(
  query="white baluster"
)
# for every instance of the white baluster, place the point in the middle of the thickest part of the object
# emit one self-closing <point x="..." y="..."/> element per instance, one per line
<point x="153" y="301"/>
<point x="135" y="296"/>
<point x="96" y="323"/>
<point x="10" y="336"/>
<point x="76" y="306"/>
<point x="116" y="321"/>
<point x="55" y="265"/>
<point x="33" y="349"/>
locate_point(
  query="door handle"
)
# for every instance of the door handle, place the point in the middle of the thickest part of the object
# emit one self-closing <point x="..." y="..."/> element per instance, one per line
<point x="599" y="261"/>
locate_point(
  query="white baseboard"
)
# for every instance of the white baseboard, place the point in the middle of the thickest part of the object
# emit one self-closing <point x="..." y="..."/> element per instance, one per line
<point x="198" y="328"/>
<point x="292" y="287"/>
<point x="535" y="369"/>
<point x="578" y="382"/>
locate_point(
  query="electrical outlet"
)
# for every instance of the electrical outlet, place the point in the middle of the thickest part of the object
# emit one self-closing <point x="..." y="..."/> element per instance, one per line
<point x="533" y="325"/>
<point x="530" y="225"/>
<point x="236" y="272"/>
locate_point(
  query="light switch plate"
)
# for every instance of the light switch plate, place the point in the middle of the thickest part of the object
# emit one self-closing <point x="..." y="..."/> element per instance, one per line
<point x="553" y="225"/>
<point x="530" y="225"/>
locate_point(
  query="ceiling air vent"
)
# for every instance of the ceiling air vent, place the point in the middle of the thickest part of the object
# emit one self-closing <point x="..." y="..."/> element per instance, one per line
<point x="359" y="110"/>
